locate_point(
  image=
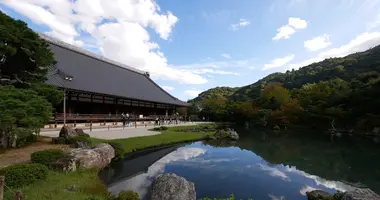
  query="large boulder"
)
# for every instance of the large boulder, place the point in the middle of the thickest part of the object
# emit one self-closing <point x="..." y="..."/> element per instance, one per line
<point x="318" y="195"/>
<point x="106" y="151"/>
<point x="360" y="194"/>
<point x="67" y="132"/>
<point x="171" y="187"/>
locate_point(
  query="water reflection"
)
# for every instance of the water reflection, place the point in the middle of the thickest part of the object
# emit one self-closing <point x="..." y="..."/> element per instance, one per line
<point x="259" y="167"/>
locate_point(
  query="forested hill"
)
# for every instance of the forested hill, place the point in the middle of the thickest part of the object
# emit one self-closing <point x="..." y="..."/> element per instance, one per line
<point x="359" y="67"/>
<point x="215" y="93"/>
<point x="343" y="90"/>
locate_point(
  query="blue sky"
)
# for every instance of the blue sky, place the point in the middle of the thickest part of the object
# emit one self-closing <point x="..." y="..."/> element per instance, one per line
<point x="191" y="46"/>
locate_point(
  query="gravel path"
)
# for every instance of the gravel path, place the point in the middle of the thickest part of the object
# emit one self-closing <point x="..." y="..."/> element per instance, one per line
<point x="116" y="133"/>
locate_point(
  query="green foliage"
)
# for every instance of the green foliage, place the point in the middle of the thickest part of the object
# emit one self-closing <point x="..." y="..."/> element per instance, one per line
<point x="60" y="140"/>
<point x="232" y="197"/>
<point x="161" y="128"/>
<point x="119" y="150"/>
<point x="128" y="195"/>
<point x="74" y="141"/>
<point x="346" y="90"/>
<point x="24" y="174"/>
<point x="50" y="92"/>
<point x="48" y="156"/>
<point x="27" y="56"/>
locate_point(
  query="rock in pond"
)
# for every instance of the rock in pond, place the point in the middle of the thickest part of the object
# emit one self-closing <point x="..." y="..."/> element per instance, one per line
<point x="169" y="186"/>
<point x="226" y="133"/>
<point x="360" y="194"/>
<point x="318" y="195"/>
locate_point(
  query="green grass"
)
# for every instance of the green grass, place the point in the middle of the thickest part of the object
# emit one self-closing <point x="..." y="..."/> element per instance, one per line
<point x="87" y="184"/>
<point x="171" y="136"/>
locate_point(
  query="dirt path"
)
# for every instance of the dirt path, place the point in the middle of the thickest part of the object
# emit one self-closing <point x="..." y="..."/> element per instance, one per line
<point x="22" y="155"/>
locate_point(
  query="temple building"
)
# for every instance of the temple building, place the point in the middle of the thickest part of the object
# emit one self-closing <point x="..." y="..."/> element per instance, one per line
<point x="97" y="88"/>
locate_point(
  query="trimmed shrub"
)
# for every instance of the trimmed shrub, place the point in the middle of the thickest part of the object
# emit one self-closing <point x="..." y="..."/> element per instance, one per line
<point x="24" y="174"/>
<point x="84" y="135"/>
<point x="24" y="137"/>
<point x="119" y="151"/>
<point x="59" y="140"/>
<point x="128" y="195"/>
<point x="80" y="141"/>
<point x="48" y="156"/>
<point x="161" y="128"/>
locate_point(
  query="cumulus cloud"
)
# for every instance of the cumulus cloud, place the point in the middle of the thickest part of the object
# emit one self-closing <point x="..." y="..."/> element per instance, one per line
<point x="317" y="43"/>
<point x="274" y="172"/>
<point x="192" y="93"/>
<point x="362" y="42"/>
<point x="226" y="55"/>
<point x="117" y="28"/>
<point x="279" y="62"/>
<point x="240" y="24"/>
<point x="286" y="31"/>
<point x="168" y="88"/>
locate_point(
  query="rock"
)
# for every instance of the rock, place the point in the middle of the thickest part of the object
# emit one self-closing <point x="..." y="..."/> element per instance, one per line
<point x="234" y="135"/>
<point x="66" y="164"/>
<point x="376" y="130"/>
<point x="276" y="128"/>
<point x="67" y="132"/>
<point x="87" y="158"/>
<point x="318" y="195"/>
<point x="106" y="151"/>
<point x="360" y="194"/>
<point x="171" y="187"/>
<point x="79" y="131"/>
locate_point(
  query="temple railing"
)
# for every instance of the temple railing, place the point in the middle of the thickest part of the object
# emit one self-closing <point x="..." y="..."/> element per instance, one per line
<point x="109" y="117"/>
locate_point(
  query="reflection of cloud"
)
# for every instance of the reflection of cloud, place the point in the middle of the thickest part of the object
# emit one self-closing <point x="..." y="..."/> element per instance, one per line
<point x="337" y="185"/>
<point x="276" y="197"/>
<point x="140" y="183"/>
<point x="274" y="172"/>
<point x="305" y="189"/>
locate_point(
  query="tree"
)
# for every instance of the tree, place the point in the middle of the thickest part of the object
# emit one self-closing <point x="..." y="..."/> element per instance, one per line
<point x="21" y="108"/>
<point x="25" y="57"/>
<point x="274" y="95"/>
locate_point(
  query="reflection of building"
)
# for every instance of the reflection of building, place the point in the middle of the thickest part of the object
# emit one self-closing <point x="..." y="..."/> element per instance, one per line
<point x="99" y="88"/>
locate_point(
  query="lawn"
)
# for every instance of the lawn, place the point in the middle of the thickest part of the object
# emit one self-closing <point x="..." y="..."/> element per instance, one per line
<point x="171" y="136"/>
<point x="87" y="183"/>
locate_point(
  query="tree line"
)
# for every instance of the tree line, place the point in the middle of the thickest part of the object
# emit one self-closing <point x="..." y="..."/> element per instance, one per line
<point x="338" y="92"/>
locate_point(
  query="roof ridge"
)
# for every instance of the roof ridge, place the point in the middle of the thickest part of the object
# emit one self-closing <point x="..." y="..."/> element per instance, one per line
<point x="162" y="89"/>
<point x="88" y="53"/>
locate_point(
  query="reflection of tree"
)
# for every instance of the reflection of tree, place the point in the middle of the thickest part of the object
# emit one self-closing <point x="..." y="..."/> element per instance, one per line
<point x="220" y="143"/>
<point x="352" y="160"/>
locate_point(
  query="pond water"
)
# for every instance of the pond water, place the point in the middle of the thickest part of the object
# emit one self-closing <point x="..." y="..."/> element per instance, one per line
<point x="261" y="165"/>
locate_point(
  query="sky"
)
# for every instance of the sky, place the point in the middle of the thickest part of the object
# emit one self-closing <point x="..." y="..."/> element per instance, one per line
<point x="191" y="46"/>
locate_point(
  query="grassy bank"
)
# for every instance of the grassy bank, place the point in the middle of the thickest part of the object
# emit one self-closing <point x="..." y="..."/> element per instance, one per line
<point x="86" y="182"/>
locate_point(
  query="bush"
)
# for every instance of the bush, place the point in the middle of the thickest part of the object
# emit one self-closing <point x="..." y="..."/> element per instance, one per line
<point x="94" y="198"/>
<point x="59" y="140"/>
<point x="20" y="175"/>
<point x="128" y="195"/>
<point x="80" y="140"/>
<point x="48" y="156"/>
<point x="84" y="135"/>
<point x="161" y="128"/>
<point x="25" y="137"/>
<point x="119" y="151"/>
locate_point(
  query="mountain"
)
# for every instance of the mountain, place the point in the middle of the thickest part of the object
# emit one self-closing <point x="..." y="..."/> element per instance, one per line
<point x="215" y="93"/>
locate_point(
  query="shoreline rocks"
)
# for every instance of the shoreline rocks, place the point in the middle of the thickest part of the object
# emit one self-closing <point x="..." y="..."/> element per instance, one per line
<point x="169" y="186"/>
<point x="357" y="194"/>
<point x="97" y="157"/>
<point x="226" y="133"/>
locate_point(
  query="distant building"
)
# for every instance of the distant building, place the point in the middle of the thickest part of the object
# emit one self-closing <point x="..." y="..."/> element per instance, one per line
<point x="98" y="86"/>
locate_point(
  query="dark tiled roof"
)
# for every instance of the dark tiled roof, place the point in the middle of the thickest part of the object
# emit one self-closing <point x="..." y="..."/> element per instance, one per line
<point x="96" y="74"/>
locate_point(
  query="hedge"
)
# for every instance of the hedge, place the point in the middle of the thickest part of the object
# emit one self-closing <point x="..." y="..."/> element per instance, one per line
<point x="46" y="157"/>
<point x="20" y="175"/>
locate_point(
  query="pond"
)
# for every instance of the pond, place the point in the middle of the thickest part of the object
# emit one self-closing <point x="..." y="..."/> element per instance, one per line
<point x="261" y="165"/>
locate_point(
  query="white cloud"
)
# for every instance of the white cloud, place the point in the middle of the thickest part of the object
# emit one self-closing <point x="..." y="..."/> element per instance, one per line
<point x="279" y="62"/>
<point x="192" y="93"/>
<point x="317" y="43"/>
<point x="284" y="32"/>
<point x="362" y="42"/>
<point x="273" y="197"/>
<point x="117" y="28"/>
<point x="274" y="172"/>
<point x="212" y="71"/>
<point x="168" y="88"/>
<point x="226" y="55"/>
<point x="241" y="23"/>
